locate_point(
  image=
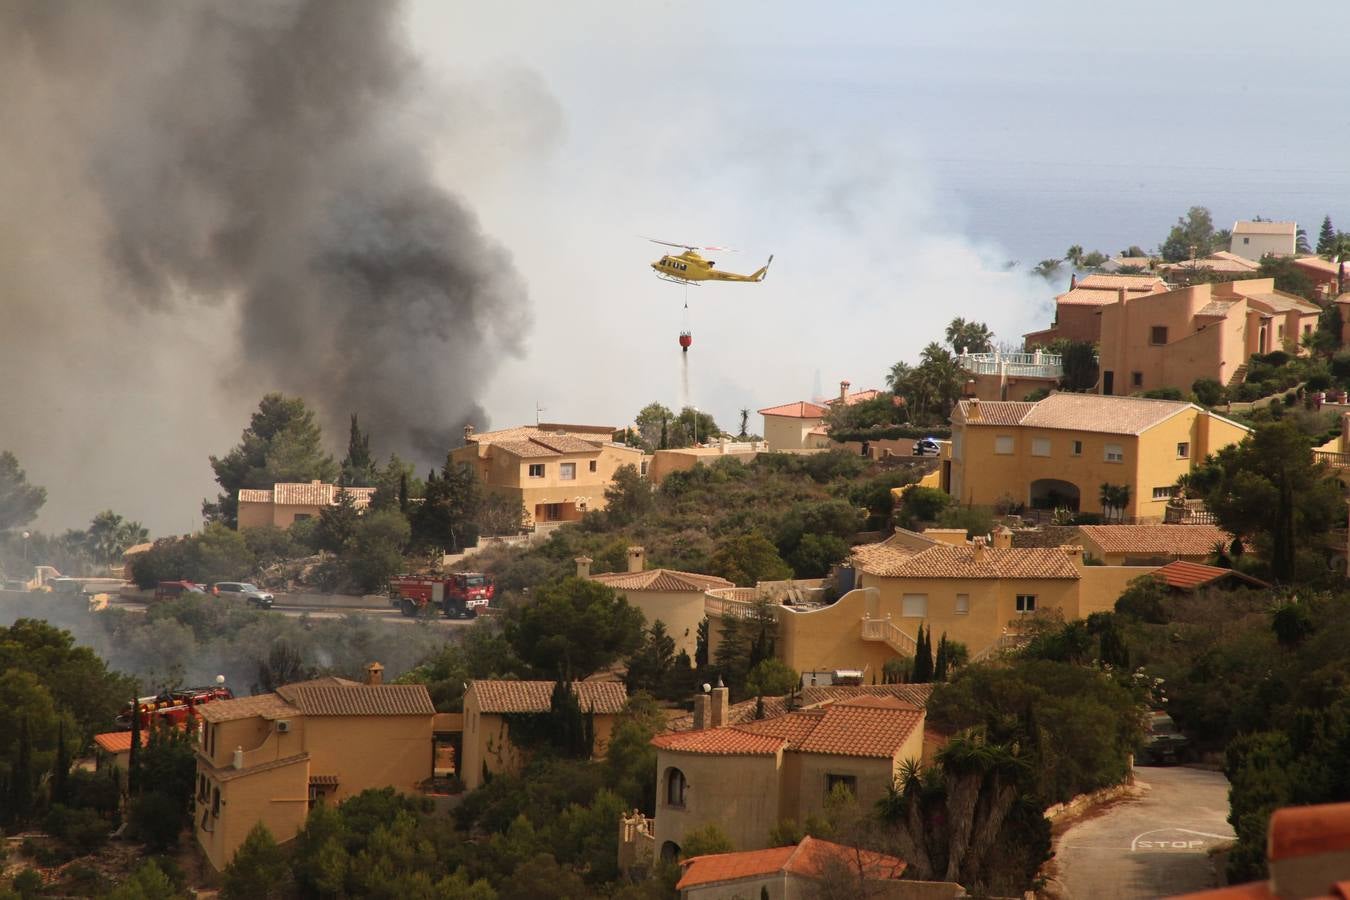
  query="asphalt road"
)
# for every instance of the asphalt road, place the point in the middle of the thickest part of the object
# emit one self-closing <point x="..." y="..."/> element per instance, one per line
<point x="331" y="612"/>
<point x="1152" y="846"/>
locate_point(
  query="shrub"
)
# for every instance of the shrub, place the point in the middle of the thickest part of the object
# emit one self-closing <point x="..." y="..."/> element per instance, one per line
<point x="1164" y="394"/>
<point x="28" y="883"/>
<point x="922" y="504"/>
<point x="83" y="830"/>
<point x="1208" y="391"/>
<point x="1318" y="381"/>
<point x="1340" y="365"/>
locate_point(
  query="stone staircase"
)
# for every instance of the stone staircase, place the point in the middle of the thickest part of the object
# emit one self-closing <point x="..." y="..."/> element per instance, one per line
<point x="1239" y="376"/>
<point x="888" y="631"/>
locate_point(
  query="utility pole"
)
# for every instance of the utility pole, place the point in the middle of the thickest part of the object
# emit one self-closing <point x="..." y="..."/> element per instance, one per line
<point x="537" y="410"/>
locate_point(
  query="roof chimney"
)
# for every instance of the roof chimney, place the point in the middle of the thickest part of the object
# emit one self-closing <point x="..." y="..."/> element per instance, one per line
<point x="973" y="410"/>
<point x="977" y="546"/>
<point x="1003" y="538"/>
<point x="843" y="391"/>
<point x="1120" y="295"/>
<point x="701" y="711"/>
<point x="584" y="566"/>
<point x="718" y="704"/>
<point x="1073" y="280"/>
<point x="374" y="674"/>
<point x="637" y="559"/>
<point x="468" y="434"/>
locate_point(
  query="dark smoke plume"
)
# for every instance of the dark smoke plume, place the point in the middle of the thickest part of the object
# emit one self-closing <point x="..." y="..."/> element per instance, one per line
<point x="252" y="163"/>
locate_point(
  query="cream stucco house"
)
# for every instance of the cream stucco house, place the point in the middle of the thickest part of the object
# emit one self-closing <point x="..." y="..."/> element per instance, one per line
<point x="670" y="596"/>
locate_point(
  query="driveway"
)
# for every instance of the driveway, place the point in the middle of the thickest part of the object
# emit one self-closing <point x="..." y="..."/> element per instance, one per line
<point x="1152" y="846"/>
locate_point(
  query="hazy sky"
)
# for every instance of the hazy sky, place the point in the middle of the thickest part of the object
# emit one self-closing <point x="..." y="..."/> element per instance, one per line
<point x="892" y="155"/>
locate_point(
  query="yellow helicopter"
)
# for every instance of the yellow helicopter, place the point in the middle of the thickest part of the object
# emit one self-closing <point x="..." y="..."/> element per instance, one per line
<point x="690" y="267"/>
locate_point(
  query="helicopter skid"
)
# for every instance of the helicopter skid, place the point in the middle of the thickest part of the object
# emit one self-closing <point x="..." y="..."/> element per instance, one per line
<point x="674" y="280"/>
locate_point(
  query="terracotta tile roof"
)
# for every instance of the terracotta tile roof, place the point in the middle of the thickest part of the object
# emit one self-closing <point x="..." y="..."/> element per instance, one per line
<point x="810" y="859"/>
<point x="1317" y="263"/>
<point x="802" y="409"/>
<point x="323" y="779"/>
<point x="1297" y="831"/>
<point x="1045" y="536"/>
<point x="992" y="412"/>
<point x="1087" y="297"/>
<point x="1279" y="301"/>
<point x="119" y="741"/>
<point x="876" y="726"/>
<point x="732" y="740"/>
<point x="1222" y="261"/>
<point x="1156" y="540"/>
<point x="269" y="706"/>
<point x="314" y="493"/>
<point x="1288" y="228"/>
<point x="947" y="561"/>
<point x="597" y="434"/>
<point x="524" y="449"/>
<point x="359" y="700"/>
<point x="565" y="443"/>
<point x="1111" y="415"/>
<point x="904" y="539"/>
<point x="1186" y="576"/>
<point x="855" y="397"/>
<point x="661" y="580"/>
<point x="869" y="557"/>
<point x="811" y="697"/>
<point x="605" y="697"/>
<point x="1144" y="283"/>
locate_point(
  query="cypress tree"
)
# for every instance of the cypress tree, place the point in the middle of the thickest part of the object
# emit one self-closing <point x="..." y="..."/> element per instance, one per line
<point x="940" y="666"/>
<point x="61" y="772"/>
<point x="21" y="776"/>
<point x="923" y="656"/>
<point x="134" y="760"/>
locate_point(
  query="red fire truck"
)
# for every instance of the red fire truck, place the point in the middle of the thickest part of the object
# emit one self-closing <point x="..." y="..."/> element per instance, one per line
<point x="173" y="707"/>
<point x="461" y="595"/>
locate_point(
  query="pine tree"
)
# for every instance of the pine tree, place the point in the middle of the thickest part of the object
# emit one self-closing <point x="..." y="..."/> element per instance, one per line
<point x="1326" y="238"/>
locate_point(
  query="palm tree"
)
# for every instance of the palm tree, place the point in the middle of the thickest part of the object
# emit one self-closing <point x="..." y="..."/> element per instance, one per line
<point x="1074" y="255"/>
<point x="745" y="420"/>
<point x="898" y="378"/>
<point x="1047" y="268"/>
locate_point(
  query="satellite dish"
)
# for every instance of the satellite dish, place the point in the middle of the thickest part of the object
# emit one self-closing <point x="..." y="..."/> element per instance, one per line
<point x="220" y="679"/>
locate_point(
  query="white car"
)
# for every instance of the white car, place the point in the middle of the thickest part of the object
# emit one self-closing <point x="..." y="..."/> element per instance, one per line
<point x="255" y="595"/>
<point x="927" y="447"/>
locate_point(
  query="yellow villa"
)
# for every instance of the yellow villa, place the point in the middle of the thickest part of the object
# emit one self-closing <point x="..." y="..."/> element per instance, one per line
<point x="975" y="592"/>
<point x="669" y="596"/>
<point x="1173" y="339"/>
<point x="749" y="777"/>
<point x="287" y="503"/>
<point x="555" y="472"/>
<point x="488" y="704"/>
<point x="269" y="758"/>
<point x="1058" y="452"/>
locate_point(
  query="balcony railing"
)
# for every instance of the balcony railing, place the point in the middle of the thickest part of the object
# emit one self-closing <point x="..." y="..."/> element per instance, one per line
<point x="736" y="603"/>
<point x="1013" y="365"/>
<point x="888" y="631"/>
<point x="1333" y="459"/>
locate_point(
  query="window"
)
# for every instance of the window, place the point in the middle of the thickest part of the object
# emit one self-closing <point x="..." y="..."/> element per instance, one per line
<point x="1280" y="332"/>
<point x="1246" y="240"/>
<point x="567" y="471"/>
<point x="300" y="517"/>
<point x="1184" y="450"/>
<point x="643" y="471"/>
<point x="962" y="604"/>
<point x="1113" y="453"/>
<point x="848" y="782"/>
<point x="592" y="465"/>
<point x="1077" y="448"/>
<point x="215" y="801"/>
<point x="1157" y="334"/>
<point x="1137" y="379"/>
<point x="1307" y="329"/>
<point x="1040" y="446"/>
<point x="1162" y="493"/>
<point x="914" y="605"/>
<point x="536" y="470"/>
<point x="1003" y="444"/>
<point x="675" y="787"/>
<point x="1026" y="603"/>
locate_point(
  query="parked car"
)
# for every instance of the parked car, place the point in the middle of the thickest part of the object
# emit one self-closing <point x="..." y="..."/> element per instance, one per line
<point x="927" y="447"/>
<point x="1163" y="744"/>
<point x="255" y="595"/>
<point x="172" y="590"/>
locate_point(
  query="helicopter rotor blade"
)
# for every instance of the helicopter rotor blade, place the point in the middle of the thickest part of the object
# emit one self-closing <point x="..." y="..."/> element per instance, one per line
<point x="694" y="246"/>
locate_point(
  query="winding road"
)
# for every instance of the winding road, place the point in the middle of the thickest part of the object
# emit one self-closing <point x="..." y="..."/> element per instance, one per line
<point x="1155" y="845"/>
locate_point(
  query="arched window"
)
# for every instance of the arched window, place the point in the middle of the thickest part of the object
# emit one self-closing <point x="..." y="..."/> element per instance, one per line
<point x="675" y="787"/>
<point x="670" y="852"/>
